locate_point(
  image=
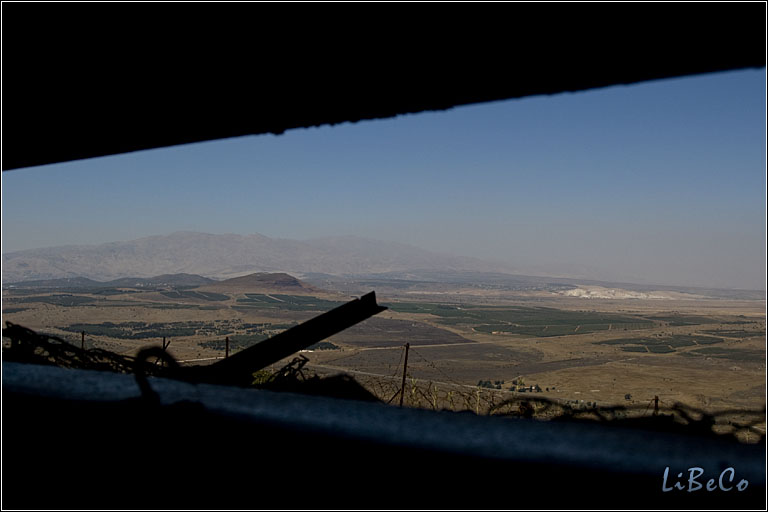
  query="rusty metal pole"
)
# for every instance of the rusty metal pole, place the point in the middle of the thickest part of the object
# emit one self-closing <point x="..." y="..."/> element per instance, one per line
<point x="238" y="369"/>
<point x="405" y="365"/>
<point x="82" y="340"/>
<point x="226" y="352"/>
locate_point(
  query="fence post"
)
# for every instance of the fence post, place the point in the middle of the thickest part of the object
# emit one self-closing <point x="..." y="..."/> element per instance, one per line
<point x="405" y="365"/>
<point x="165" y="346"/>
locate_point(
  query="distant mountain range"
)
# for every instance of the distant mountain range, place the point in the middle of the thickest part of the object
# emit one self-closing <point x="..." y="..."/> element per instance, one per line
<point x="257" y="283"/>
<point x="225" y="256"/>
<point x="181" y="259"/>
<point x="411" y="282"/>
<point x="83" y="283"/>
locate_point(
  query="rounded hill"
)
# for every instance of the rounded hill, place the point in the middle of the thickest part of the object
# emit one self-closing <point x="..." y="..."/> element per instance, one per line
<point x="279" y="282"/>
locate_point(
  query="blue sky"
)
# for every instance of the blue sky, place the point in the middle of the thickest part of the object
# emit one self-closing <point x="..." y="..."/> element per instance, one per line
<point x="659" y="182"/>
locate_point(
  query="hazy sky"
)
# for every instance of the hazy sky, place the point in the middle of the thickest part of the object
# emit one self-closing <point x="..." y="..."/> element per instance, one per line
<point x="661" y="182"/>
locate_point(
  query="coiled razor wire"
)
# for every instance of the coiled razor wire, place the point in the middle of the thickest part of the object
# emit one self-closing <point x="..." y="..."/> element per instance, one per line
<point x="32" y="347"/>
<point x="28" y="346"/>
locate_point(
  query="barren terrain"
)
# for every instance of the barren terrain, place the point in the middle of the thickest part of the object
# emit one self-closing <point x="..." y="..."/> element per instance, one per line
<point x="622" y="350"/>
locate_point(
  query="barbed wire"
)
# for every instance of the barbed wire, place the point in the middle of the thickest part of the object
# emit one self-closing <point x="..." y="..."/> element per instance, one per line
<point x="397" y="367"/>
<point x="32" y="347"/>
<point x="432" y="365"/>
<point x="423" y="393"/>
<point x="29" y="346"/>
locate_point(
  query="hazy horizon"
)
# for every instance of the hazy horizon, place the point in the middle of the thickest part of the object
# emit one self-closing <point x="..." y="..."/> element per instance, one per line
<point x="584" y="273"/>
<point x="660" y="182"/>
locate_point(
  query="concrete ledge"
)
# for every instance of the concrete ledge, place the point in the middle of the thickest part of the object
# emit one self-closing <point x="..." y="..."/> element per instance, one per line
<point x="210" y="444"/>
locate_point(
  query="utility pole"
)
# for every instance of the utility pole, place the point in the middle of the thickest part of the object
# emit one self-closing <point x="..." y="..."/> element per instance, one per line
<point x="226" y="349"/>
<point x="405" y="365"/>
<point x="165" y="346"/>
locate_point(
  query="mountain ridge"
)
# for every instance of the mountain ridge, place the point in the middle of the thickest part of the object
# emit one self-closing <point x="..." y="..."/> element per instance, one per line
<point x="261" y="282"/>
<point x="83" y="283"/>
<point x="222" y="256"/>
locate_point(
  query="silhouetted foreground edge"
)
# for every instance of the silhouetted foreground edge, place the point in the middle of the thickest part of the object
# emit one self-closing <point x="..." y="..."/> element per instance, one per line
<point x="93" y="440"/>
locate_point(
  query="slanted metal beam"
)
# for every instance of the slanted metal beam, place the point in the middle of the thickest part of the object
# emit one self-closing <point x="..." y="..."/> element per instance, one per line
<point x="237" y="369"/>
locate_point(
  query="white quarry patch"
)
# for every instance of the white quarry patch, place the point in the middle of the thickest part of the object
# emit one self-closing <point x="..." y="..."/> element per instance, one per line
<point x="599" y="292"/>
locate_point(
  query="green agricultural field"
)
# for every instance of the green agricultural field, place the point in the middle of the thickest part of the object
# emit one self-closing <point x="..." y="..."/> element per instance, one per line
<point x="170" y="306"/>
<point x="113" y="291"/>
<point x="660" y="349"/>
<point x="706" y="340"/>
<point x="681" y="320"/>
<point x="8" y="311"/>
<point x="733" y="354"/>
<point x="689" y="341"/>
<point x="304" y="303"/>
<point x="634" y="348"/>
<point x="237" y="331"/>
<point x="236" y="343"/>
<point x="736" y="333"/>
<point x="461" y="321"/>
<point x="540" y="331"/>
<point x="662" y="344"/>
<point x="66" y="300"/>
<point x="288" y="302"/>
<point x="140" y="330"/>
<point x="254" y="333"/>
<point x="526" y="321"/>
<point x="210" y="296"/>
<point x="259" y="297"/>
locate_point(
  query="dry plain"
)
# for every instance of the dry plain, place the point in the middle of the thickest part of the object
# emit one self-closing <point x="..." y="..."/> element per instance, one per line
<point x="702" y="352"/>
